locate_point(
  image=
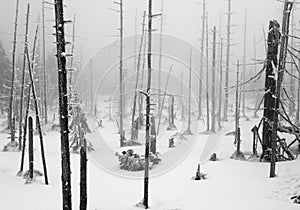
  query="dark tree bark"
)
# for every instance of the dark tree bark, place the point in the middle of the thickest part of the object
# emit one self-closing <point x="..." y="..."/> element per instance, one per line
<point x="30" y="148"/>
<point x="237" y="113"/>
<point x="270" y="84"/>
<point x="37" y="117"/>
<point x="83" y="171"/>
<point x="25" y="129"/>
<point x="153" y="136"/>
<point x="63" y="105"/>
<point x="148" y="108"/>
<point x="281" y="68"/>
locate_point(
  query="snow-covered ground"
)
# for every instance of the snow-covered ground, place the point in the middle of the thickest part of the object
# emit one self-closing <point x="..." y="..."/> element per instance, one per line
<point x="231" y="184"/>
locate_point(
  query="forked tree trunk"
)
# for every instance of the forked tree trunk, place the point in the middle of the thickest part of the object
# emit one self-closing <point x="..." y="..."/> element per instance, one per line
<point x="37" y="117"/>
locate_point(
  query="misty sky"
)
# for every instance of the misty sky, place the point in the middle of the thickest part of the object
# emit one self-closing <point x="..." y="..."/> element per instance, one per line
<point x="98" y="25"/>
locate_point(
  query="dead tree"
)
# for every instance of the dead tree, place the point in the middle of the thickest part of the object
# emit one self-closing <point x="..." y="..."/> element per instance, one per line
<point x="181" y="96"/>
<point x="63" y="104"/>
<point x="121" y="82"/>
<point x="83" y="170"/>
<point x="298" y="95"/>
<point x="141" y="117"/>
<point x="91" y="85"/>
<point x="71" y="68"/>
<point x="281" y="68"/>
<point x="237" y="113"/>
<point x="213" y="102"/>
<point x="292" y="79"/>
<point x="137" y="79"/>
<point x="270" y="85"/>
<point x="201" y="61"/>
<point x="229" y="13"/>
<point x="25" y="132"/>
<point x="37" y="116"/>
<point x="163" y="100"/>
<point x="27" y="108"/>
<point x="188" y="130"/>
<point x="44" y="64"/>
<point x="23" y="78"/>
<point x="11" y="99"/>
<point x="221" y="82"/>
<point x="153" y="136"/>
<point x="255" y="72"/>
<point x="244" y="67"/>
<point x="160" y="54"/>
<point x="30" y="148"/>
<point x="207" y="69"/>
<point x="148" y="108"/>
<point x="172" y="125"/>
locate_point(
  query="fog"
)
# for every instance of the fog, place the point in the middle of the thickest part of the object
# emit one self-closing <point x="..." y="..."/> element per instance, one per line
<point x="96" y="24"/>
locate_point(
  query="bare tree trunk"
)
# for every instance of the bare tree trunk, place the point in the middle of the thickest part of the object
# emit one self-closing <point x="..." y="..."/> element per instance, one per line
<point x="30" y="148"/>
<point x="213" y="102"/>
<point x="244" y="66"/>
<point x="237" y="111"/>
<point x="44" y="64"/>
<point x="227" y="60"/>
<point x="207" y="67"/>
<point x="160" y="56"/>
<point x="292" y="79"/>
<point x="27" y="109"/>
<point x="181" y="96"/>
<point x="298" y="95"/>
<point x="36" y="106"/>
<point x="255" y="72"/>
<point x="142" y="83"/>
<point x="137" y="78"/>
<point x="25" y="130"/>
<point x="91" y="85"/>
<point x="11" y="99"/>
<point x="148" y="108"/>
<point x="121" y="77"/>
<point x="188" y="130"/>
<point x="221" y="81"/>
<point x="163" y="100"/>
<point x="71" y="77"/>
<point x="270" y="85"/>
<point x="201" y="61"/>
<point x="23" y="78"/>
<point x="281" y="67"/>
<point x="83" y="171"/>
<point x="63" y="105"/>
<point x="153" y="136"/>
